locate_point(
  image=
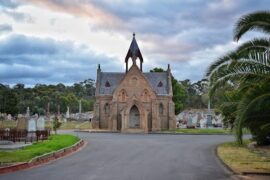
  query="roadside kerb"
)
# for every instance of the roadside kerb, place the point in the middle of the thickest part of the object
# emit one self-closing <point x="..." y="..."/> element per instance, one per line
<point x="43" y="158"/>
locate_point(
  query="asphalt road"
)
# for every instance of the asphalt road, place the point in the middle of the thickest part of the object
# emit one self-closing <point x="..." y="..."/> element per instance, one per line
<point x="135" y="157"/>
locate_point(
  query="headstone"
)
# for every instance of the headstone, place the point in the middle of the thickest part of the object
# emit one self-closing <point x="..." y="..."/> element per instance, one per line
<point x="67" y="113"/>
<point x="32" y="124"/>
<point x="22" y="123"/>
<point x="9" y="117"/>
<point x="64" y="120"/>
<point x="189" y="122"/>
<point x="209" y="120"/>
<point x="209" y="116"/>
<point x="80" y="106"/>
<point x="27" y="112"/>
<point x="41" y="123"/>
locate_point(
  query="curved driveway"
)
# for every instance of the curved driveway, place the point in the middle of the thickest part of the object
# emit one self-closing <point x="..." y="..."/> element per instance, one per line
<point x="135" y="157"/>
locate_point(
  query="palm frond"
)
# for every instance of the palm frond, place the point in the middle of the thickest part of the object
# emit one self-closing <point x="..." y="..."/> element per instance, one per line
<point x="255" y="21"/>
<point x="254" y="46"/>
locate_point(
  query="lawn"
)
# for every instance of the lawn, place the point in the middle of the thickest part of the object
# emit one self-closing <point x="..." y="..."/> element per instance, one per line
<point x="55" y="142"/>
<point x="242" y="159"/>
<point x="72" y="125"/>
<point x="199" y="131"/>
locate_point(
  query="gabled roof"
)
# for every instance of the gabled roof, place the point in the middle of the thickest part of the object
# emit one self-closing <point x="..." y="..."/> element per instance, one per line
<point x="154" y="78"/>
<point x="134" y="50"/>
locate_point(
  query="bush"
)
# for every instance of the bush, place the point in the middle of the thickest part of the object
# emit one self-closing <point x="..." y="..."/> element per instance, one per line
<point x="56" y="124"/>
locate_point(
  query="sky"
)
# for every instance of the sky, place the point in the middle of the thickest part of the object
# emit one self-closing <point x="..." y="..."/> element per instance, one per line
<point x="63" y="41"/>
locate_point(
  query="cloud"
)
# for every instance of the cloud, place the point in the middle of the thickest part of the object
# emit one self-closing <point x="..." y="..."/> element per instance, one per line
<point x="187" y="34"/>
<point x="10" y="4"/>
<point x="79" y="8"/>
<point x="32" y="60"/>
<point x="18" y="16"/>
<point x="4" y="28"/>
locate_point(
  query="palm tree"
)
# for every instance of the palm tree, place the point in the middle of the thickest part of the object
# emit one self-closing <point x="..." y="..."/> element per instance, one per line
<point x="255" y="21"/>
<point x="248" y="68"/>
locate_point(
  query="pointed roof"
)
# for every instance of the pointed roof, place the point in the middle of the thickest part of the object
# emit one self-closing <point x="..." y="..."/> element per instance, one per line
<point x="134" y="50"/>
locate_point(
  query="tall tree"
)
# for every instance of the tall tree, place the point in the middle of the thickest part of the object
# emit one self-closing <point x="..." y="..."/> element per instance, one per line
<point x="248" y="68"/>
<point x="179" y="92"/>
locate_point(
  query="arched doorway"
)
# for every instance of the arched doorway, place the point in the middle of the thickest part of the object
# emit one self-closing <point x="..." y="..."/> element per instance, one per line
<point x="134" y="117"/>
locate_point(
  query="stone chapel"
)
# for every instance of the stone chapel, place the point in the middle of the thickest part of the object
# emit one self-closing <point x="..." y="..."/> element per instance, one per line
<point x="134" y="101"/>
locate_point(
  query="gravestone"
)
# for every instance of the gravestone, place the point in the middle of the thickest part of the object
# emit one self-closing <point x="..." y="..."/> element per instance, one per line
<point x="28" y="112"/>
<point x="32" y="124"/>
<point x="22" y="123"/>
<point x="67" y="113"/>
<point x="209" y="116"/>
<point x="189" y="122"/>
<point x="9" y="117"/>
<point x="64" y="120"/>
<point x="41" y="123"/>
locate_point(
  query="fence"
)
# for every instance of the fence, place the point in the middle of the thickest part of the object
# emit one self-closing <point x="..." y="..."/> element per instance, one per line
<point x="15" y="135"/>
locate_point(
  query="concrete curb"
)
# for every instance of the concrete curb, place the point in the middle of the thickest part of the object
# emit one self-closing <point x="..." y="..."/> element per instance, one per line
<point x="165" y="133"/>
<point x="88" y="131"/>
<point x="173" y="133"/>
<point x="228" y="168"/>
<point x="236" y="173"/>
<point x="45" y="158"/>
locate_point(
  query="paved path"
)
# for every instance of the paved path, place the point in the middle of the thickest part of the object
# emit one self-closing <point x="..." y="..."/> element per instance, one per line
<point x="135" y="157"/>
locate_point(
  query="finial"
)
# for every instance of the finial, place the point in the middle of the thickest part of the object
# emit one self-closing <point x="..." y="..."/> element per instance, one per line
<point x="133" y="34"/>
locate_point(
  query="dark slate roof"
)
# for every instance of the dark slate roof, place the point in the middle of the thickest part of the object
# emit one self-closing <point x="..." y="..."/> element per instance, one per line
<point x="155" y="78"/>
<point x="134" y="50"/>
<point x="113" y="79"/>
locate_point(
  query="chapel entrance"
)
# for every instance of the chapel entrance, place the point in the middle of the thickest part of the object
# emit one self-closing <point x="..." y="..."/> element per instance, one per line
<point x="134" y="117"/>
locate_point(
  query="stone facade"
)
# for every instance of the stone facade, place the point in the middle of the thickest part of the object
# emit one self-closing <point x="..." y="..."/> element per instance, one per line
<point x="134" y="101"/>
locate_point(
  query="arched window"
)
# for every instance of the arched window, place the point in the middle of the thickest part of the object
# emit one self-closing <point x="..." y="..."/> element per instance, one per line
<point x="122" y="95"/>
<point x="107" y="108"/>
<point x="161" y="109"/>
<point x="145" y="95"/>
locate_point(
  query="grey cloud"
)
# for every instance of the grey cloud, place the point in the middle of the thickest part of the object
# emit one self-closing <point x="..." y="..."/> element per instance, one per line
<point x="18" y="16"/>
<point x="49" y="62"/>
<point x="11" y="4"/>
<point x="4" y="28"/>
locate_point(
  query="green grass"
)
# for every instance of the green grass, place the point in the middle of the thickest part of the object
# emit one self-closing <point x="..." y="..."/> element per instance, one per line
<point x="242" y="159"/>
<point x="72" y="125"/>
<point x="55" y="142"/>
<point x="199" y="131"/>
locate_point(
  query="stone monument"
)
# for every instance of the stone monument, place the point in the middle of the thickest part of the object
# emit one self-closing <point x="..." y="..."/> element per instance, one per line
<point x="80" y="106"/>
<point x="32" y="124"/>
<point x="41" y="123"/>
<point x="28" y="112"/>
<point x="209" y="116"/>
<point x="22" y="123"/>
<point x="9" y="117"/>
<point x="189" y="121"/>
<point x="67" y="113"/>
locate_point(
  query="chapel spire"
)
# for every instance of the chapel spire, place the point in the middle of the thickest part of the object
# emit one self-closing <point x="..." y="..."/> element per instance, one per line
<point x="134" y="53"/>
